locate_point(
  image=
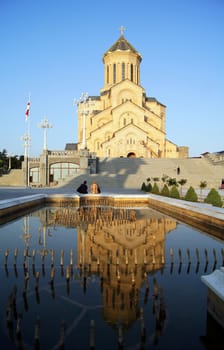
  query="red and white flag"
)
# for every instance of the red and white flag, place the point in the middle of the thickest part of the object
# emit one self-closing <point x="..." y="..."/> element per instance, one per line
<point x="27" y="112"/>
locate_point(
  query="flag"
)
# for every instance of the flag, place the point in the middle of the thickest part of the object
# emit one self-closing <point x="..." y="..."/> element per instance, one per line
<point x="27" y="112"/>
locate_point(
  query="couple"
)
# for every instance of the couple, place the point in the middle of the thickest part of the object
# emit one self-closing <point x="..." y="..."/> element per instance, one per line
<point x="94" y="188"/>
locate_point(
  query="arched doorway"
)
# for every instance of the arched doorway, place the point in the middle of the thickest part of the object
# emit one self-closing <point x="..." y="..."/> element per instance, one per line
<point x="131" y="155"/>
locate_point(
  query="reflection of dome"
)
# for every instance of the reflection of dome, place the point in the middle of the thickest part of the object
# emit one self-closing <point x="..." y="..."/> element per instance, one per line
<point x="121" y="304"/>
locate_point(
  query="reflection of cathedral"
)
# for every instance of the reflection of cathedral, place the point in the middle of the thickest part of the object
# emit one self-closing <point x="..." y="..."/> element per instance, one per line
<point x="115" y="285"/>
<point x="121" y="246"/>
<point x="123" y="121"/>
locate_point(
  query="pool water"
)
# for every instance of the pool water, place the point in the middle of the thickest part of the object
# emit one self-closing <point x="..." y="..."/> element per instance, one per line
<point x="105" y="278"/>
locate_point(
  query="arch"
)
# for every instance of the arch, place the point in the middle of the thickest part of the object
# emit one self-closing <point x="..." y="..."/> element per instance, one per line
<point x="131" y="155"/>
<point x="126" y="95"/>
<point x="60" y="170"/>
<point x="126" y="118"/>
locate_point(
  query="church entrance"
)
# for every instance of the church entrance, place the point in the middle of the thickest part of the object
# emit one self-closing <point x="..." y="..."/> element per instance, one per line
<point x="131" y="155"/>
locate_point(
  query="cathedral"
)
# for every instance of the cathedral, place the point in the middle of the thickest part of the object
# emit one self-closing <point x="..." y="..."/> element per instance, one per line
<point x="123" y="121"/>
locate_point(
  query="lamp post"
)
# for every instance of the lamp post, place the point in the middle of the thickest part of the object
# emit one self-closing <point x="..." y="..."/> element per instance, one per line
<point x="44" y="124"/>
<point x="9" y="155"/>
<point x="85" y="100"/>
<point x="26" y="138"/>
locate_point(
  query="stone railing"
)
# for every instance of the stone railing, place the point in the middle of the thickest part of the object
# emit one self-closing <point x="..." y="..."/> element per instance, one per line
<point x="63" y="153"/>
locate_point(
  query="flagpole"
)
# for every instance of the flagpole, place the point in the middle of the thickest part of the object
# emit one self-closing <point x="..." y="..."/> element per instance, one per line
<point x="27" y="141"/>
<point x="28" y="153"/>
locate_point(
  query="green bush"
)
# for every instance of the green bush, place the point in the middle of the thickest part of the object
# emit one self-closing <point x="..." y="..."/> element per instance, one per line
<point x="174" y="193"/>
<point x="165" y="191"/>
<point x="149" y="187"/>
<point x="155" y="189"/>
<point x="214" y="198"/>
<point x="143" y="188"/>
<point x="191" y="195"/>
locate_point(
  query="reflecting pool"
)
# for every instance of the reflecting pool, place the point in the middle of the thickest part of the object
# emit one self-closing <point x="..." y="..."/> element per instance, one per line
<point x="105" y="278"/>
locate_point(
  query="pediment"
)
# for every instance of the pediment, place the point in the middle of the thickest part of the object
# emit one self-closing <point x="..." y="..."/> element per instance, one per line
<point x="130" y="129"/>
<point x="126" y="85"/>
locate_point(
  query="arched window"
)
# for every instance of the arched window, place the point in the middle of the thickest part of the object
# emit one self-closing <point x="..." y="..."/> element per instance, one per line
<point x="131" y="140"/>
<point x="123" y="71"/>
<point x="107" y="74"/>
<point x="131" y="72"/>
<point x="114" y="73"/>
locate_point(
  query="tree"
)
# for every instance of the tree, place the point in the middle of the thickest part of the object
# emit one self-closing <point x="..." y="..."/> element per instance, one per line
<point x="16" y="161"/>
<point x="155" y="179"/>
<point x="202" y="185"/>
<point x="172" y="182"/>
<point x="164" y="178"/>
<point x="182" y="182"/>
<point x="4" y="161"/>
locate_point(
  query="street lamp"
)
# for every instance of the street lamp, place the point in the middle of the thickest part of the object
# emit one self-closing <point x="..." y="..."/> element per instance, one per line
<point x="26" y="138"/>
<point x="86" y="103"/>
<point x="9" y="155"/>
<point x="44" y="124"/>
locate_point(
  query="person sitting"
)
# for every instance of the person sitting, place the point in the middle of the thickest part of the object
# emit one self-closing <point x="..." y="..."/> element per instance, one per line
<point x="83" y="188"/>
<point x="94" y="188"/>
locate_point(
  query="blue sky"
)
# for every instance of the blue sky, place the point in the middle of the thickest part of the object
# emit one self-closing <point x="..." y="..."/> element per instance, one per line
<point x="53" y="50"/>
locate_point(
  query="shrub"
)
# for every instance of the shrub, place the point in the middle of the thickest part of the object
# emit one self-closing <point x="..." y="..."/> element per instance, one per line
<point x="165" y="191"/>
<point x="191" y="195"/>
<point x="174" y="193"/>
<point x="149" y="187"/>
<point x="155" y="189"/>
<point x="144" y="187"/>
<point x="214" y="198"/>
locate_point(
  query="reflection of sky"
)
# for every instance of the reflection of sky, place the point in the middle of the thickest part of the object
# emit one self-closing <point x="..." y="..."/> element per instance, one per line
<point x="185" y="237"/>
<point x="13" y="235"/>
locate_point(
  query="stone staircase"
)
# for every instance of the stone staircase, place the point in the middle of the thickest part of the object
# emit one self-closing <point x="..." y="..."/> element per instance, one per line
<point x="130" y="173"/>
<point x="13" y="178"/>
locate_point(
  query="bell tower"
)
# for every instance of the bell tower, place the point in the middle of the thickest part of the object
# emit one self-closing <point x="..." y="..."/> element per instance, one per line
<point x="121" y="61"/>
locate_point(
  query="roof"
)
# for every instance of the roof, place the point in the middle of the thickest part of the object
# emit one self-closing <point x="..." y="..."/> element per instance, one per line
<point x="71" y="147"/>
<point x="122" y="45"/>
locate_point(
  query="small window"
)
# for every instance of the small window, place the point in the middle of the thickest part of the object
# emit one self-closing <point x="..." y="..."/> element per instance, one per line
<point x="114" y="72"/>
<point x="131" y="72"/>
<point x="107" y="74"/>
<point x="123" y="71"/>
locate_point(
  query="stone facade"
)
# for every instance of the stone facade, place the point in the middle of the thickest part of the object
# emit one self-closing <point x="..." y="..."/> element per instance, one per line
<point x="123" y="121"/>
<point x="54" y="166"/>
